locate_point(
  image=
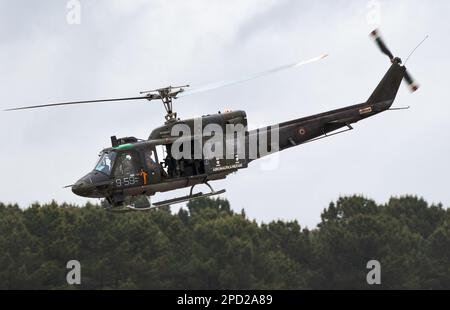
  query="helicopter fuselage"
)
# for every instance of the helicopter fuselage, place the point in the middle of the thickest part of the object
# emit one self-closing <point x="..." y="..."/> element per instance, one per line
<point x="132" y="168"/>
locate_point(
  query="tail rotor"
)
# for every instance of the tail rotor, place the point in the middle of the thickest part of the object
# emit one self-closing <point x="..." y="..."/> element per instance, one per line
<point x="413" y="86"/>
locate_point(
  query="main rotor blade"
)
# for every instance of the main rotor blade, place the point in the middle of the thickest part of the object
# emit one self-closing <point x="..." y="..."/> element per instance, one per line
<point x="220" y="84"/>
<point x="75" y="102"/>
<point x="206" y="87"/>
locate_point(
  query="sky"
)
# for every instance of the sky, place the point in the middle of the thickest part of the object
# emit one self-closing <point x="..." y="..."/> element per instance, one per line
<point x="119" y="48"/>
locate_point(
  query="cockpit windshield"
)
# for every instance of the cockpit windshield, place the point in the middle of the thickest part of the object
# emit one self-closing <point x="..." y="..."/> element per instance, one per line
<point x="106" y="162"/>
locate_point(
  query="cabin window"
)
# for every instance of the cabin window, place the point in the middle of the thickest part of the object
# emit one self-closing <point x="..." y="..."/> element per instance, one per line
<point x="150" y="159"/>
<point x="126" y="164"/>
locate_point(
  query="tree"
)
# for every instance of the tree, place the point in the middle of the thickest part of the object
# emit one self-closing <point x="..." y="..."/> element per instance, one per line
<point x="209" y="246"/>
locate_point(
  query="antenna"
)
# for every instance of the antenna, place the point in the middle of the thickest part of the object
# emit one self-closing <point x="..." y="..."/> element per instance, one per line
<point x="412" y="52"/>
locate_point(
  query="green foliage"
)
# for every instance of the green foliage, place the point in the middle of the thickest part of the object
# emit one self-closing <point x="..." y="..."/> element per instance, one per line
<point x="209" y="246"/>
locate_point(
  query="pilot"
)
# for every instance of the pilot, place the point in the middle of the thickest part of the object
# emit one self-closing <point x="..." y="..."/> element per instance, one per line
<point x="105" y="165"/>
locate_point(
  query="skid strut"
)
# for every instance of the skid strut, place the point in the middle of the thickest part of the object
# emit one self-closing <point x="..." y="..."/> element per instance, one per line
<point x="148" y="205"/>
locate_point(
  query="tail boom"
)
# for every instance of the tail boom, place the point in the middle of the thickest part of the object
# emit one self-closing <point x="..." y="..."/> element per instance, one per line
<point x="306" y="129"/>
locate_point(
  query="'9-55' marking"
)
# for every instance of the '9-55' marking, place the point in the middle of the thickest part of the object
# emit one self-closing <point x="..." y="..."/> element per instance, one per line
<point x="127" y="181"/>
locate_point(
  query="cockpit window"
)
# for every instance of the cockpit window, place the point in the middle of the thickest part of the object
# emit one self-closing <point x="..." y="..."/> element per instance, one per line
<point x="106" y="162"/>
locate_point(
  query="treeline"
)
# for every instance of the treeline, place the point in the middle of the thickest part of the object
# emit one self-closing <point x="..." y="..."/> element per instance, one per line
<point x="208" y="246"/>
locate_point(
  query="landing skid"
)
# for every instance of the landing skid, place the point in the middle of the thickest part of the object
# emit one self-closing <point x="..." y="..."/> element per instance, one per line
<point x="139" y="204"/>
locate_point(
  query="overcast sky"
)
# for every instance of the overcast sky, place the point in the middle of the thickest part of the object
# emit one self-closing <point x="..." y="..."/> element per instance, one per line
<point x="122" y="47"/>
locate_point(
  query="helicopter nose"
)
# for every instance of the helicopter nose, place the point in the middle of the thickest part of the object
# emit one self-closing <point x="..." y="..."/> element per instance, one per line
<point x="91" y="185"/>
<point x="82" y="188"/>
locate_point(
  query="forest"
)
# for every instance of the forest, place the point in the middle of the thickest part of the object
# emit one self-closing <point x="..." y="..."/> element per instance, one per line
<point x="207" y="245"/>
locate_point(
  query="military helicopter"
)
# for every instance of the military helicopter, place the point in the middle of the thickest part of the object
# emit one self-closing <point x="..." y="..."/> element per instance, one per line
<point x="129" y="172"/>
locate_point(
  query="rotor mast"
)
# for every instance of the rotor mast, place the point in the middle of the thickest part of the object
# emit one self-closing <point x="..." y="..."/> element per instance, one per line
<point x="166" y="94"/>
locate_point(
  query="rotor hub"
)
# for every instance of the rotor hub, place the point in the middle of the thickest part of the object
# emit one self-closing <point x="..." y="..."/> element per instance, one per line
<point x="397" y="60"/>
<point x="166" y="95"/>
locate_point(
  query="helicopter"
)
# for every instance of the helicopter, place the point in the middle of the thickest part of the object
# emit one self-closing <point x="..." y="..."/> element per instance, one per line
<point x="132" y="170"/>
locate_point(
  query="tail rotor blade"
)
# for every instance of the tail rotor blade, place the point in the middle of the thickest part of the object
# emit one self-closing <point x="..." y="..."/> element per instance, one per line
<point x="379" y="41"/>
<point x="413" y="86"/>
